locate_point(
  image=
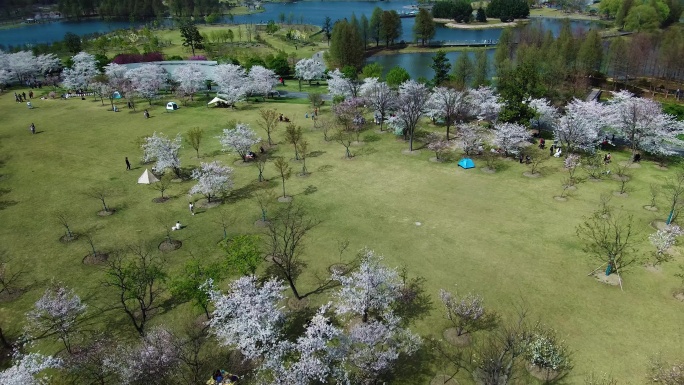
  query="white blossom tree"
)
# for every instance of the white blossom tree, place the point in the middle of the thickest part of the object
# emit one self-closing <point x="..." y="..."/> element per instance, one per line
<point x="57" y="313"/>
<point x="5" y="76"/>
<point x="472" y="137"/>
<point x="249" y="317"/>
<point x="48" y="62"/>
<point x="545" y="115"/>
<point x="26" y="369"/>
<point x="413" y="99"/>
<point x="464" y="312"/>
<point x="164" y="151"/>
<point x="662" y="240"/>
<point x="213" y="179"/>
<point x="239" y="139"/>
<point x="21" y="65"/>
<point x="147" y="80"/>
<point x="640" y="120"/>
<point x="190" y="80"/>
<point x="450" y="105"/>
<point x="510" y="136"/>
<point x="261" y="81"/>
<point x="231" y="80"/>
<point x="340" y="85"/>
<point x="580" y="127"/>
<point x="116" y="75"/>
<point x="309" y="69"/>
<point x="81" y="72"/>
<point x="370" y="290"/>
<point x="486" y="104"/>
<point x="378" y="95"/>
<point x="151" y="362"/>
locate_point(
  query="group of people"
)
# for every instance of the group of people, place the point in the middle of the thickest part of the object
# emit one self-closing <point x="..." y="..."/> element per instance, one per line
<point x="283" y="118"/>
<point x="221" y="377"/>
<point x="22" y="96"/>
<point x="313" y="114"/>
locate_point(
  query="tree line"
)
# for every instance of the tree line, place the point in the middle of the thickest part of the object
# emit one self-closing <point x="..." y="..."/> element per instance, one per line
<point x="136" y="10"/>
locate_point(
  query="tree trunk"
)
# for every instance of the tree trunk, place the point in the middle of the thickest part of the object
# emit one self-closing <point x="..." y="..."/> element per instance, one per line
<point x="292" y="286"/>
<point x="283" y="186"/>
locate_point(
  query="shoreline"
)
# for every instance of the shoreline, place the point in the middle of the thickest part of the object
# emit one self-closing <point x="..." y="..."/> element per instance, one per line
<point x="414" y="48"/>
<point x="489" y="25"/>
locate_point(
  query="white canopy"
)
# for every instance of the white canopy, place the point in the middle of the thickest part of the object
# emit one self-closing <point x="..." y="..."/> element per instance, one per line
<point x="216" y="100"/>
<point x="147" y="177"/>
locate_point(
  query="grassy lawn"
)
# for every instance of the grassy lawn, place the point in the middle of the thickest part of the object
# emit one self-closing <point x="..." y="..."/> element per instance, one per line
<point x="502" y="235"/>
<point x="557" y="13"/>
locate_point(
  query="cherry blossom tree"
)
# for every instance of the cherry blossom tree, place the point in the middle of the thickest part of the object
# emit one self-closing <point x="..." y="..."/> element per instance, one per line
<point x="340" y="85"/>
<point x="579" y="128"/>
<point x="239" y="139"/>
<point x="450" y="105"/>
<point x="48" y="62"/>
<point x="81" y="72"/>
<point x="57" y="313"/>
<point x="465" y="312"/>
<point x="231" y="80"/>
<point x="397" y="125"/>
<point x="510" y="136"/>
<point x="26" y="369"/>
<point x="472" y="137"/>
<point x="413" y="99"/>
<point x="147" y="80"/>
<point x="378" y="95"/>
<point x="162" y="150"/>
<point x="640" y="120"/>
<point x="5" y="75"/>
<point x="545" y="115"/>
<point x="153" y="361"/>
<point x="309" y="69"/>
<point x="116" y="75"/>
<point x="486" y="104"/>
<point x="437" y="144"/>
<point x="190" y="79"/>
<point x="249" y="317"/>
<point x="260" y="80"/>
<point x="370" y="290"/>
<point x="349" y="115"/>
<point x="662" y="240"/>
<point x="21" y="65"/>
<point x="213" y="179"/>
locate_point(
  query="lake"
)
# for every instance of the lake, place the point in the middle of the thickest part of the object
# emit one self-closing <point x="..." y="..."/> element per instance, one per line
<point x="418" y="64"/>
<point x="310" y="12"/>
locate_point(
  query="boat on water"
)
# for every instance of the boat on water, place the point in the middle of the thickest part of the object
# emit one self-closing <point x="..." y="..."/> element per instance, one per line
<point x="405" y="14"/>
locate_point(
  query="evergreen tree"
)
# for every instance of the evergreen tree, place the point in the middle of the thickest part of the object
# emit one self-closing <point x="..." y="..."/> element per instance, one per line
<point x="424" y="28"/>
<point x="376" y="25"/>
<point x="481" y="70"/>
<point x="346" y="47"/>
<point x="481" y="15"/>
<point x="365" y="31"/>
<point x="504" y="49"/>
<point x="590" y="53"/>
<point x="327" y="27"/>
<point x="390" y="27"/>
<point x="441" y="66"/>
<point x="622" y="13"/>
<point x="191" y="37"/>
<point x="463" y="71"/>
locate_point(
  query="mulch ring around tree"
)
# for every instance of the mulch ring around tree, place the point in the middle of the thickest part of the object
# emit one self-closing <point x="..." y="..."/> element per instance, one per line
<point x="241" y="163"/>
<point x="97" y="259"/>
<point x="170" y="245"/>
<point x="532" y="175"/>
<point x="542" y="374"/>
<point x="650" y="208"/>
<point x="620" y="194"/>
<point x="451" y="336"/>
<point x="297" y="304"/>
<point x="208" y="205"/>
<point x="629" y="164"/>
<point x="560" y="198"/>
<point x="653" y="268"/>
<point x="66" y="238"/>
<point x="601" y="276"/>
<point x="339" y="268"/>
<point x="104" y="213"/>
<point x="285" y="199"/>
<point x="679" y="295"/>
<point x="659" y="225"/>
<point x="261" y="223"/>
<point x="661" y="168"/>
<point x="9" y="297"/>
<point x="620" y="178"/>
<point x="299" y="174"/>
<point x="160" y="199"/>
<point x="488" y="170"/>
<point x="443" y="379"/>
<point x="435" y="160"/>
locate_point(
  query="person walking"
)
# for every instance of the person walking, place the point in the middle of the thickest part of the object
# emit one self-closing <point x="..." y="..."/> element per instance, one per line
<point x="128" y="164"/>
<point x="23" y="95"/>
<point x="32" y="128"/>
<point x="192" y="208"/>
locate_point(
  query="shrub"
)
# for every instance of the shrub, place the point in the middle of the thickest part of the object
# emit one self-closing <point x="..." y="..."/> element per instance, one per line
<point x="126" y="58"/>
<point x="197" y="57"/>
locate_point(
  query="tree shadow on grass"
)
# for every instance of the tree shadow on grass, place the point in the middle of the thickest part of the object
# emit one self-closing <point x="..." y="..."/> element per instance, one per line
<point x="415" y="369"/>
<point x="315" y="154"/>
<point x="246" y="191"/>
<point x="6" y="204"/>
<point x="297" y="321"/>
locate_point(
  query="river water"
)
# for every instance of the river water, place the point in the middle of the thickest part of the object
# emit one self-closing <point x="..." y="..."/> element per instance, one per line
<point x="310" y="12"/>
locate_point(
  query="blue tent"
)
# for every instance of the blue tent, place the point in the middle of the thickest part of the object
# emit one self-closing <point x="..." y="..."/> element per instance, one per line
<point x="466" y="163"/>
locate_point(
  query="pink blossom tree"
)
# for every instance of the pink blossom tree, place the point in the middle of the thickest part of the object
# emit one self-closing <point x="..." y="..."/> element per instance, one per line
<point x="147" y="80"/>
<point x="486" y="104"/>
<point x="510" y="137"/>
<point x="413" y="99"/>
<point x="26" y="369"/>
<point x="190" y="80"/>
<point x="231" y="80"/>
<point x="465" y="312"/>
<point x="58" y="313"/>
<point x="449" y="105"/>
<point x="213" y="179"/>
<point x="239" y="139"/>
<point x="81" y="72"/>
<point x="378" y="95"/>
<point x="579" y="128"/>
<point x="261" y="81"/>
<point x="152" y="361"/>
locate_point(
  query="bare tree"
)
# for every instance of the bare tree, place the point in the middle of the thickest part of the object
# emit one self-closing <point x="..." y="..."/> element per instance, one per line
<point x="315" y="99"/>
<point x="100" y="193"/>
<point x="225" y="220"/>
<point x="265" y="200"/>
<point x="285" y="235"/>
<point x="269" y="122"/>
<point x="64" y="219"/>
<point x="674" y="188"/>
<point x="11" y="275"/>
<point x="535" y="158"/>
<point x="345" y="138"/>
<point x="194" y="138"/>
<point x="161" y="186"/>
<point x="326" y="126"/>
<point x="303" y="152"/>
<point x="137" y="281"/>
<point x="261" y="165"/>
<point x="284" y="170"/>
<point x="293" y="134"/>
<point x="609" y="240"/>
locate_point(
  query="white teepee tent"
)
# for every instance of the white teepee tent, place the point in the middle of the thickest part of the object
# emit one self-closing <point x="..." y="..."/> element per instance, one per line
<point x="147" y="177"/>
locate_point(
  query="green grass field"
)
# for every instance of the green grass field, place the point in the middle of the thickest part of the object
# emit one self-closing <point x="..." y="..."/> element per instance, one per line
<point x="502" y="235"/>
